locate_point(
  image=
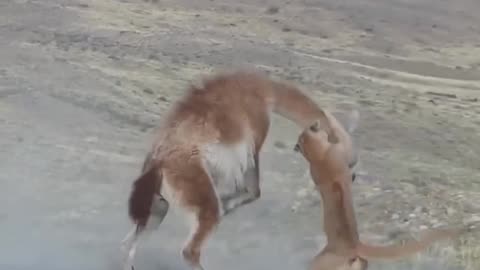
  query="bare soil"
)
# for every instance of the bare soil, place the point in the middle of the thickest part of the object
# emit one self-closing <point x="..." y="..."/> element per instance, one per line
<point x="82" y="83"/>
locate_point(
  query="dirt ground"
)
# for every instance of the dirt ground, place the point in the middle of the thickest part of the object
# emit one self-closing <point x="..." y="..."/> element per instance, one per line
<point x="82" y="83"/>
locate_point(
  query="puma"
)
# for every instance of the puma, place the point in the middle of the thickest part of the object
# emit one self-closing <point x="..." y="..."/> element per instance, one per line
<point x="205" y="158"/>
<point x="331" y="174"/>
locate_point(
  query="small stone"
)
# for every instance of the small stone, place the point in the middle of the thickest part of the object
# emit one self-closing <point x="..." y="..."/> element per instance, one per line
<point x="272" y="10"/>
<point x="423" y="227"/>
<point x="302" y="193"/>
<point x="280" y="144"/>
<point x="395" y="216"/>
<point x="148" y="91"/>
<point x="450" y="211"/>
<point x="412" y="215"/>
<point x="295" y="206"/>
<point x="472" y="219"/>
<point x="473" y="99"/>
<point x="91" y="139"/>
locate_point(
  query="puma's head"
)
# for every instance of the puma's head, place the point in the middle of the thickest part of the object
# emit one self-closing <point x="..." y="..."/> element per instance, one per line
<point x="313" y="135"/>
<point x="314" y="144"/>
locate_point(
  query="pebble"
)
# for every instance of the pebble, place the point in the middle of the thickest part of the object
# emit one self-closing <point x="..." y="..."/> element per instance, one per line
<point x="280" y="145"/>
<point x="472" y="219"/>
<point x="148" y="91"/>
<point x="295" y="206"/>
<point x="302" y="193"/>
<point x="395" y="216"/>
<point x="450" y="211"/>
<point x="91" y="139"/>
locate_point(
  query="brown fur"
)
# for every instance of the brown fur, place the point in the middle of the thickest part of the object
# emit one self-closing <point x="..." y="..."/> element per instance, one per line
<point x="329" y="168"/>
<point x="227" y="110"/>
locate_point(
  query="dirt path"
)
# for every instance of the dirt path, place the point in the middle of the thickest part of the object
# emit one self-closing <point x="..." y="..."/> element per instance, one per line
<point x="82" y="83"/>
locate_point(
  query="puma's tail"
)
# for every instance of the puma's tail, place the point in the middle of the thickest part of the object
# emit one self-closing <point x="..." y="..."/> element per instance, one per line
<point x="142" y="195"/>
<point x="409" y="248"/>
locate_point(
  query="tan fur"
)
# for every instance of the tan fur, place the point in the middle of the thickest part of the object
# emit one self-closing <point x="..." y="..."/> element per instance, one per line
<point x="205" y="158"/>
<point x="329" y="168"/>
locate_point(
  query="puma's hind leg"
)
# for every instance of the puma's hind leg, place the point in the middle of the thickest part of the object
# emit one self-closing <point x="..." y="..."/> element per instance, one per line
<point x="329" y="259"/>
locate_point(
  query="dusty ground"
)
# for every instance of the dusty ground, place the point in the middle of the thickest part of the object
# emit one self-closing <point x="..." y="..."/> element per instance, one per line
<point x="83" y="82"/>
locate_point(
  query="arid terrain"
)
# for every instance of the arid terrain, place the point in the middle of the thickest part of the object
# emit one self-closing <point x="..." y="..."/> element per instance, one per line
<point x="83" y="83"/>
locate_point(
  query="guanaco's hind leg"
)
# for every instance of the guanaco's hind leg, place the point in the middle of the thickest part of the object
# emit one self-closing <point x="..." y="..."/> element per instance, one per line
<point x="204" y="222"/>
<point x="158" y="212"/>
<point x="199" y="201"/>
<point x="251" y="192"/>
<point x="129" y="245"/>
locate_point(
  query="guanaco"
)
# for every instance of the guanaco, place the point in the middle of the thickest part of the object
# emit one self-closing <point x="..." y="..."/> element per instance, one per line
<point x="205" y="157"/>
<point x="330" y="172"/>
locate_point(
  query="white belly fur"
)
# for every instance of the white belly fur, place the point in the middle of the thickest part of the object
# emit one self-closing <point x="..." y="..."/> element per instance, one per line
<point x="227" y="164"/>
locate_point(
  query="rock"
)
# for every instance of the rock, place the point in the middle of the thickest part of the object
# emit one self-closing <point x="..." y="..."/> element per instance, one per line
<point x="91" y="139"/>
<point x="272" y="10"/>
<point x="295" y="206"/>
<point x="441" y="94"/>
<point x="302" y="193"/>
<point x="450" y="211"/>
<point x="280" y="144"/>
<point x="148" y="91"/>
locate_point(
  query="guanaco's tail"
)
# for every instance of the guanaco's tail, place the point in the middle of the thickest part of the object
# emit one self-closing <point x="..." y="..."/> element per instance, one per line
<point x="409" y="248"/>
<point x="143" y="192"/>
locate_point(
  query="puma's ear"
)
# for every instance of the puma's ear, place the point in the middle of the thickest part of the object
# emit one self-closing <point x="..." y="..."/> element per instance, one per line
<point x="357" y="263"/>
<point x="349" y="120"/>
<point x="296" y="148"/>
<point x="315" y="127"/>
